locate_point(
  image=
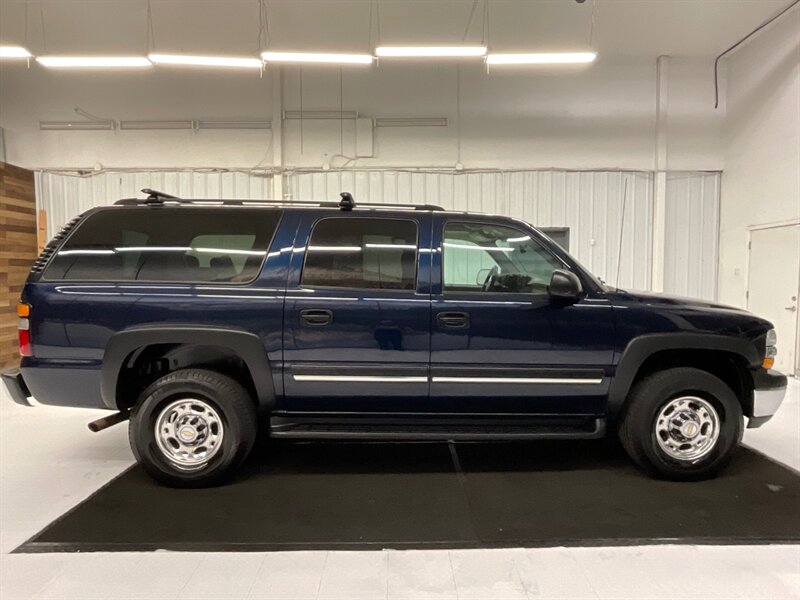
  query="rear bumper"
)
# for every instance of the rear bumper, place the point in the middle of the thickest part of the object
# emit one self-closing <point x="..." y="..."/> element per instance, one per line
<point x="16" y="387"/>
<point x="768" y="394"/>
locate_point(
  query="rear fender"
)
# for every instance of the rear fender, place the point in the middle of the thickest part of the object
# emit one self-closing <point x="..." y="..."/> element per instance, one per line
<point x="244" y="344"/>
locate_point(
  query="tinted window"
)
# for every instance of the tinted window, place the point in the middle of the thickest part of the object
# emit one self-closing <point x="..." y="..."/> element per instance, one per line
<point x="362" y="253"/>
<point x="494" y="258"/>
<point x="167" y="244"/>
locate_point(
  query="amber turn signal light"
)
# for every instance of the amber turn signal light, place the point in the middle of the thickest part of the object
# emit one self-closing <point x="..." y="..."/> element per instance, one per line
<point x="23" y="310"/>
<point x="768" y="362"/>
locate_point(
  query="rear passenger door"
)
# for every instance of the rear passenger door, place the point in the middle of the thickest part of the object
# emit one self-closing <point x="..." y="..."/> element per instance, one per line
<point x="357" y="313"/>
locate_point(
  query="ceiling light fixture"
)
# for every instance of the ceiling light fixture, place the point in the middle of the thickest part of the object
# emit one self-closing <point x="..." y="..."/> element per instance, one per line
<point x="430" y="51"/>
<point x="333" y="115"/>
<point x="128" y="125"/>
<point x="76" y="125"/>
<point x="205" y="61"/>
<point x="317" y="57"/>
<point x="541" y="58"/>
<point x="411" y="122"/>
<point x="234" y="124"/>
<point x="14" y="52"/>
<point x="93" y="62"/>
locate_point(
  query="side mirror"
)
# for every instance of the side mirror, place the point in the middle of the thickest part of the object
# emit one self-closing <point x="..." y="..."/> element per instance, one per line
<point x="565" y="286"/>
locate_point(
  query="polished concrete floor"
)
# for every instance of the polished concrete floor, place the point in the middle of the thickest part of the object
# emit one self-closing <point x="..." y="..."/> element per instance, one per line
<point x="49" y="462"/>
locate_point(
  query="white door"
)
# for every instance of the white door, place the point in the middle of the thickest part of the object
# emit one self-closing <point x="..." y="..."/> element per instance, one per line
<point x="773" y="283"/>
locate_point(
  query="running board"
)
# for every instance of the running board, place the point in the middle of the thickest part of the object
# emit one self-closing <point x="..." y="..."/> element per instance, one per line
<point x="441" y="429"/>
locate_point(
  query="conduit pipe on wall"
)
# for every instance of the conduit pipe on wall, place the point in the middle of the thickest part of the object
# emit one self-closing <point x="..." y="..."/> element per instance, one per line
<point x="742" y="41"/>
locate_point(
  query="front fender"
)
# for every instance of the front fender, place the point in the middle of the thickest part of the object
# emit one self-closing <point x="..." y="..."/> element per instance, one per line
<point x="641" y="348"/>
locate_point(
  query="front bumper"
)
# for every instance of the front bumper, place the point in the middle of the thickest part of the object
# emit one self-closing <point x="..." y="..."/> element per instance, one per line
<point x="16" y="387"/>
<point x="768" y="393"/>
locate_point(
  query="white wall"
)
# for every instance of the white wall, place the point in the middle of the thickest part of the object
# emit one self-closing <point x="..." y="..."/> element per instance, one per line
<point x="761" y="180"/>
<point x="595" y="117"/>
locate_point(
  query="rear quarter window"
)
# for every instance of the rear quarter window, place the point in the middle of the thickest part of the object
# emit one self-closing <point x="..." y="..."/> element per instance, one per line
<point x="181" y="244"/>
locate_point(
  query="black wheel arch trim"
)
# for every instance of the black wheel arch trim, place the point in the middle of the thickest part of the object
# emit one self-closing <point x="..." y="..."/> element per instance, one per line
<point x="246" y="345"/>
<point x="643" y="347"/>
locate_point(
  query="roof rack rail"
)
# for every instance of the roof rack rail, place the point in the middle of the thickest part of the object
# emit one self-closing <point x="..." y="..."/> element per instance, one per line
<point x="156" y="198"/>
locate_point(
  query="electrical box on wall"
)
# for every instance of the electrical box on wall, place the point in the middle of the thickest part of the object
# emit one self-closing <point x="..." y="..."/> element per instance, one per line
<point x="364" y="138"/>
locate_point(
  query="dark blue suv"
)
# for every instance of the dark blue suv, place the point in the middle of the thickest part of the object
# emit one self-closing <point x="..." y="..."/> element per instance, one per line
<point x="198" y="320"/>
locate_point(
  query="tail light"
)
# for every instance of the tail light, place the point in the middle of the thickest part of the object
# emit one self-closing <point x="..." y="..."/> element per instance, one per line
<point x="24" y="329"/>
<point x="772" y="349"/>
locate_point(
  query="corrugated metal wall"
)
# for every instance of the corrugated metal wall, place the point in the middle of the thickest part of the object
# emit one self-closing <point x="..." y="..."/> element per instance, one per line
<point x="589" y="203"/>
<point x="64" y="196"/>
<point x="692" y="241"/>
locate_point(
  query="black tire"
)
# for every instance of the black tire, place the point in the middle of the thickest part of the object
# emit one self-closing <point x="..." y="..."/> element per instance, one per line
<point x="649" y="396"/>
<point x="233" y="405"/>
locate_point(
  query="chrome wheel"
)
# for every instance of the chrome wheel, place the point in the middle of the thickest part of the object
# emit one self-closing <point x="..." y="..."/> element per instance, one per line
<point x="189" y="433"/>
<point x="687" y="428"/>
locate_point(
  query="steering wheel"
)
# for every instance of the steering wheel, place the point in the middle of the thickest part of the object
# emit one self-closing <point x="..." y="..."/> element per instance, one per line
<point x="487" y="283"/>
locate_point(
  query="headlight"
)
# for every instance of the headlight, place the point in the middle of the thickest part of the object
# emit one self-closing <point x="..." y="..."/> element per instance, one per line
<point x="772" y="349"/>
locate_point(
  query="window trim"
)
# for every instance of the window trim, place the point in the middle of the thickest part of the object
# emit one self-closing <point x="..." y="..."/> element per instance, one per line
<point x="412" y="291"/>
<point x="133" y="282"/>
<point x="533" y="235"/>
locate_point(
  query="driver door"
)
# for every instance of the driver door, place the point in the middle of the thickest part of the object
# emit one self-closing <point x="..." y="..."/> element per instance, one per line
<point x="498" y="343"/>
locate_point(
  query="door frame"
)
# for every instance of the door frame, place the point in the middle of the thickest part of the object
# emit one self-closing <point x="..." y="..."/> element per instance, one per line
<point x="761" y="227"/>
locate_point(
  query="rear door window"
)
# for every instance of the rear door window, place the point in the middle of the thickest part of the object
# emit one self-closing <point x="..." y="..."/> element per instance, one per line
<point x="184" y="244"/>
<point x="363" y="253"/>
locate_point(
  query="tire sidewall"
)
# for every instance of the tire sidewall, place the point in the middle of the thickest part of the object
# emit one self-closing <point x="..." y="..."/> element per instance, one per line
<point x="144" y="445"/>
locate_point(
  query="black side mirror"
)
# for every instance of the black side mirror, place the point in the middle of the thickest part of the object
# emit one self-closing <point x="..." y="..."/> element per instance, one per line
<point x="565" y="286"/>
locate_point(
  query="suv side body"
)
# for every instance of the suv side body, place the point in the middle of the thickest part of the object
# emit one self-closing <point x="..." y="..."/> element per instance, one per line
<point x="378" y="323"/>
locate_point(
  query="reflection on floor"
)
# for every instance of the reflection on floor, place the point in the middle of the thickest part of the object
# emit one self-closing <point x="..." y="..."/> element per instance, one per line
<point x="49" y="462"/>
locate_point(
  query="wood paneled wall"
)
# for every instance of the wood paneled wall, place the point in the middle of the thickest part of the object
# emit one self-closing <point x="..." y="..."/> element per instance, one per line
<point x="18" y="250"/>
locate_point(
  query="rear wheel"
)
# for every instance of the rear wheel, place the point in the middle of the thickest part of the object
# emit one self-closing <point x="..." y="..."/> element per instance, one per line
<point x="681" y="424"/>
<point x="193" y="428"/>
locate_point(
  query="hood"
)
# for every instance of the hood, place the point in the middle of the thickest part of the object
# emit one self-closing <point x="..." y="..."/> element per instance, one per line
<point x="660" y="299"/>
<point x="692" y="314"/>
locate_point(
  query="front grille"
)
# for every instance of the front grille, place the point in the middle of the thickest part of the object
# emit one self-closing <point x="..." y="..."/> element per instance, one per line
<point x="47" y="252"/>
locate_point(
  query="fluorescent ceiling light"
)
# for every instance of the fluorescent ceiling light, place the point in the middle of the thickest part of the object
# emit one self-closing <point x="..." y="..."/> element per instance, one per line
<point x="333" y="115"/>
<point x="430" y="51"/>
<point x="14" y="52"/>
<point x="92" y="62"/>
<point x="542" y="58"/>
<point x="234" y="124"/>
<point x="205" y="61"/>
<point x="317" y="57"/>
<point x="76" y="125"/>
<point x="156" y="124"/>
<point x="411" y="122"/>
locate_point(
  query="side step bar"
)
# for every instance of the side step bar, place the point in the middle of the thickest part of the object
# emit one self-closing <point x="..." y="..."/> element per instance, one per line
<point x="457" y="429"/>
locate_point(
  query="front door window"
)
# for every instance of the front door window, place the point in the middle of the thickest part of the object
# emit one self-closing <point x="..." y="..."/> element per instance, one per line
<point x="481" y="257"/>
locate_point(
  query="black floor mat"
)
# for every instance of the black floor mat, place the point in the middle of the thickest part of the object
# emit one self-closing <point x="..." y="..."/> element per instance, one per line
<point x="356" y="496"/>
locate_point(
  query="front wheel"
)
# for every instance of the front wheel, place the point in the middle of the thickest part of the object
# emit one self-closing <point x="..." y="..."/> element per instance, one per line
<point x="681" y="424"/>
<point x="192" y="428"/>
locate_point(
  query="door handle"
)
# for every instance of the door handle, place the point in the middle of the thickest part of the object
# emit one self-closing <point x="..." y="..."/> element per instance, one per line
<point x="453" y="320"/>
<point x="316" y="317"/>
<point x="791" y="308"/>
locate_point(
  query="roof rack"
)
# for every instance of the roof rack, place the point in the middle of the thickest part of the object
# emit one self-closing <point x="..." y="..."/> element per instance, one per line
<point x="156" y="198"/>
